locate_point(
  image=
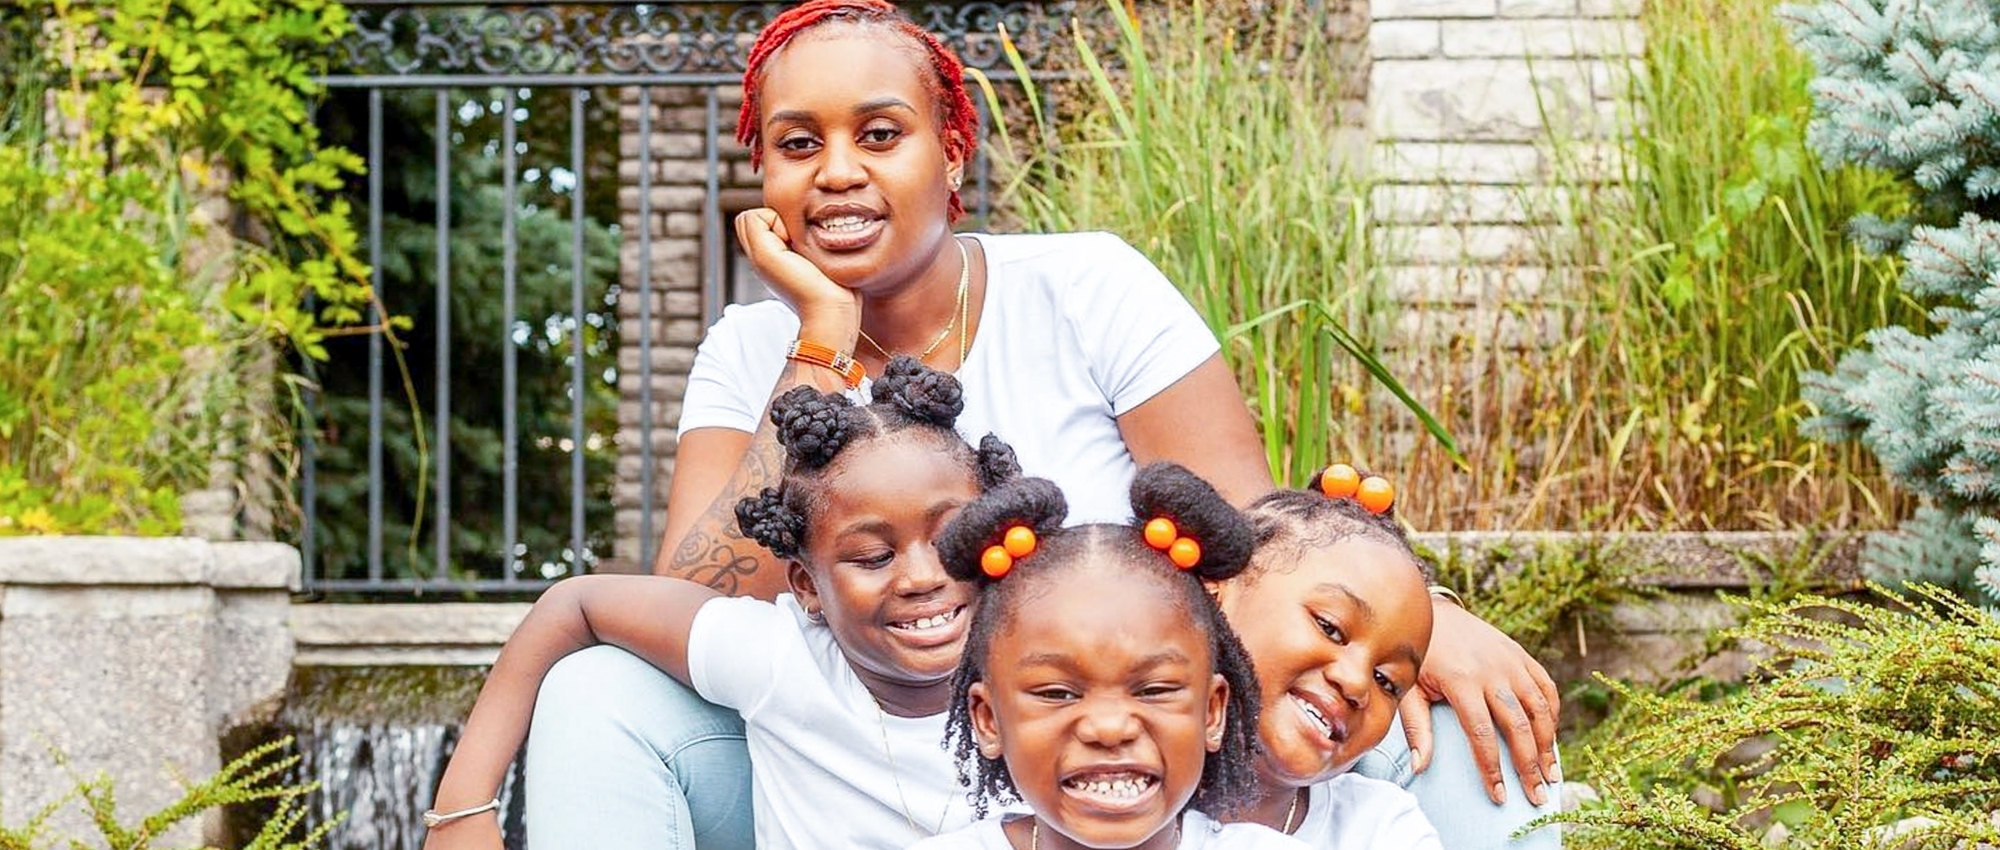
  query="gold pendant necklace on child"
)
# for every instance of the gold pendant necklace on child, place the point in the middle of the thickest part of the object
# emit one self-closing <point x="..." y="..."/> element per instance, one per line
<point x="882" y="723"/>
<point x="959" y="318"/>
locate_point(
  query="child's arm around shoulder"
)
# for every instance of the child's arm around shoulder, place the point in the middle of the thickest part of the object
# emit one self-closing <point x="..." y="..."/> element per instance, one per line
<point x="648" y="616"/>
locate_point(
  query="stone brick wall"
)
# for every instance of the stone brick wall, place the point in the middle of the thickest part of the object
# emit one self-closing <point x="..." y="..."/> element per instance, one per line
<point x="1463" y="97"/>
<point x="132" y="657"/>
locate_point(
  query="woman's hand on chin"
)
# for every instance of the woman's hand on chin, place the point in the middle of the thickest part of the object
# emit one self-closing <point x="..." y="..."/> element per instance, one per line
<point x="1498" y="690"/>
<point x="825" y="308"/>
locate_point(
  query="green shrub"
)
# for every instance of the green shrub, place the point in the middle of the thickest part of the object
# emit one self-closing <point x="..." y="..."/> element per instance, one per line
<point x="251" y="778"/>
<point x="1911" y="89"/>
<point x="1862" y="716"/>
<point x="132" y="311"/>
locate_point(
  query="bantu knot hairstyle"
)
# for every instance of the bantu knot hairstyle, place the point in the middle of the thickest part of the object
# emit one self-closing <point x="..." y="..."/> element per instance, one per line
<point x="1289" y="522"/>
<point x="813" y="427"/>
<point x="1228" y="776"/>
<point x="816" y="428"/>
<point x="957" y="121"/>
<point x="921" y="392"/>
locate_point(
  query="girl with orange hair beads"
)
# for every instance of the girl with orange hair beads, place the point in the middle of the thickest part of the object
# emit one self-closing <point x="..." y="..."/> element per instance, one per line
<point x="1101" y="687"/>
<point x="1066" y="699"/>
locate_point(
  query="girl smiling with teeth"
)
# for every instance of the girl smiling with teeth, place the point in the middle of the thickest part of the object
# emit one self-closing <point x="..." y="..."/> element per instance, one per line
<point x="1100" y="685"/>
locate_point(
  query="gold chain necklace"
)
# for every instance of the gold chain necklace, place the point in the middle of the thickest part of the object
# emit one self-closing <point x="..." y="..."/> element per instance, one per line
<point x="882" y="723"/>
<point x="1292" y="810"/>
<point x="964" y="286"/>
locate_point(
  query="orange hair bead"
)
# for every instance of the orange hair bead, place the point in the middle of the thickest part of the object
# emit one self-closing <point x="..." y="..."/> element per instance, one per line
<point x="1339" y="481"/>
<point x="1376" y="494"/>
<point x="995" y="562"/>
<point x="1018" y="541"/>
<point x="1161" y="532"/>
<point x="1185" y="553"/>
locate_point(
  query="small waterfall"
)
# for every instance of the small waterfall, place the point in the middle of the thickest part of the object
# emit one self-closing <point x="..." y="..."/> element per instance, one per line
<point x="377" y="740"/>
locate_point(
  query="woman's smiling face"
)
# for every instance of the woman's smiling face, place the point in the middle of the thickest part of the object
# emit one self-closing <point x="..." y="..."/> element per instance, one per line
<point x="853" y="154"/>
<point x="1337" y="635"/>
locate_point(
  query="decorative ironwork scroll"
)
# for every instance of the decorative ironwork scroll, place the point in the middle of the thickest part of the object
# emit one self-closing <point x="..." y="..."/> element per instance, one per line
<point x="605" y="38"/>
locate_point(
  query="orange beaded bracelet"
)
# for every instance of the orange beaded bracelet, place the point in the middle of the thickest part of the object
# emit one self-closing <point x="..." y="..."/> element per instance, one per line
<point x="806" y="351"/>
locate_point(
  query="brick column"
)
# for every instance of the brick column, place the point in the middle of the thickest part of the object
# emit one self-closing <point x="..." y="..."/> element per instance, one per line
<point x="673" y="225"/>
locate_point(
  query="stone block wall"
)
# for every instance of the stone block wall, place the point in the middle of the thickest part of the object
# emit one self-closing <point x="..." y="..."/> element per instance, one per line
<point x="131" y="658"/>
<point x="1463" y="97"/>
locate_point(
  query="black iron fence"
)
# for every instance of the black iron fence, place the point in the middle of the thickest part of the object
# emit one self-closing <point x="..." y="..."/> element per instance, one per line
<point x="545" y="206"/>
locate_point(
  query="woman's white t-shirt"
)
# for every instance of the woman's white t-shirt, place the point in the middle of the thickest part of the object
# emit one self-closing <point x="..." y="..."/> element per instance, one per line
<point x="1075" y="330"/>
<point x="829" y="768"/>
<point x="1354" y="812"/>
<point x="1198" y="832"/>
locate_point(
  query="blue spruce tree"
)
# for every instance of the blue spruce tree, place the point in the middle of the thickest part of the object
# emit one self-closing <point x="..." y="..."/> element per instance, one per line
<point x="1913" y="87"/>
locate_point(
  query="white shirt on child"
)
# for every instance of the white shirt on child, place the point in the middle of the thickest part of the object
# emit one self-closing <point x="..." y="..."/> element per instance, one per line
<point x="1198" y="832"/>
<point x="820" y="776"/>
<point x="1075" y="330"/>
<point x="1354" y="812"/>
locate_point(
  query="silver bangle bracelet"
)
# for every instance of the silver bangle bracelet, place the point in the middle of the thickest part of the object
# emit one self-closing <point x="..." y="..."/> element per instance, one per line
<point x="432" y="819"/>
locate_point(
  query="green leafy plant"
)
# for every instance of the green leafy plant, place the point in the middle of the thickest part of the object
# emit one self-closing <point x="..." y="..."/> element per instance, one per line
<point x="133" y="307"/>
<point x="251" y="778"/>
<point x="1546" y="598"/>
<point x="1869" y="725"/>
<point x="1211" y="144"/>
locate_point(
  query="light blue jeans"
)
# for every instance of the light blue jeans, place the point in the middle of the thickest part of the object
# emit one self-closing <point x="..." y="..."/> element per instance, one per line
<point x="623" y="757"/>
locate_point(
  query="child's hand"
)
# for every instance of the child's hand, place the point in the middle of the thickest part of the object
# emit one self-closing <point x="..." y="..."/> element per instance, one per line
<point x="474" y="832"/>
<point x="828" y="312"/>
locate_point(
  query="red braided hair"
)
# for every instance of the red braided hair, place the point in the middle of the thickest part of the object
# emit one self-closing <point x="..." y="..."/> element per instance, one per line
<point x="958" y="123"/>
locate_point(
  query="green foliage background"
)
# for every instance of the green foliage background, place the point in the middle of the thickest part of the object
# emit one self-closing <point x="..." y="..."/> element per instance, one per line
<point x="132" y="315"/>
<point x="1914" y="89"/>
<point x="541" y="333"/>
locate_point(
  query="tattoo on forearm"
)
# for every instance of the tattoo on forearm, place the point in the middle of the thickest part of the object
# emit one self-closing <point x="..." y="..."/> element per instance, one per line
<point x="715" y="552"/>
<point x="725" y="570"/>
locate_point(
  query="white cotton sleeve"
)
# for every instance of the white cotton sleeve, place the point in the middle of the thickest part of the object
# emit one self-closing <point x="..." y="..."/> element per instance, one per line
<point x="734" y="648"/>
<point x="1138" y="332"/>
<point x="736" y="367"/>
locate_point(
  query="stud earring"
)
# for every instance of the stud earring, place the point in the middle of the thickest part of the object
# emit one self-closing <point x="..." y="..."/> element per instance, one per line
<point x="955" y="180"/>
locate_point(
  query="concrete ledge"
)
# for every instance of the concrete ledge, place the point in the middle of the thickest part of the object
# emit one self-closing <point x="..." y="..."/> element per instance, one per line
<point x="140" y="561"/>
<point x="446" y="634"/>
<point x="1692" y="560"/>
<point x="470" y="634"/>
